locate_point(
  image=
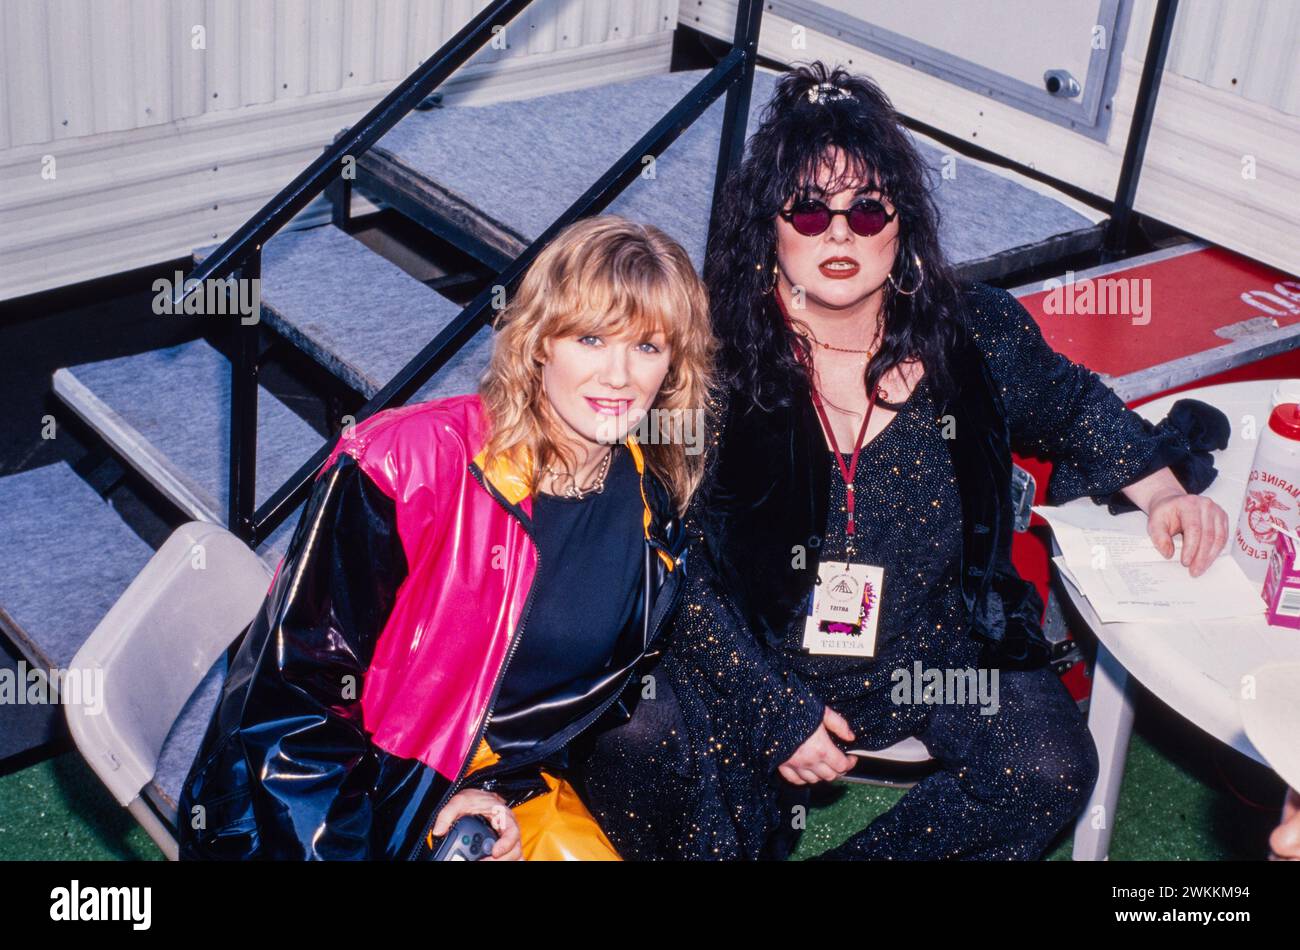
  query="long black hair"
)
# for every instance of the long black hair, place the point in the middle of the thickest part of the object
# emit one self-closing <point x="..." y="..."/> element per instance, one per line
<point x="793" y="141"/>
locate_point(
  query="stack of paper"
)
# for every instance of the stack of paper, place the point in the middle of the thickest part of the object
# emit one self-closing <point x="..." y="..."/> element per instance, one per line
<point x="1113" y="562"/>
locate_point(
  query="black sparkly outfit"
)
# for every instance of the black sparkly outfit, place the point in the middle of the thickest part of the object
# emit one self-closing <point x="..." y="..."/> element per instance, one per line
<point x="692" y="775"/>
<point x="908" y="515"/>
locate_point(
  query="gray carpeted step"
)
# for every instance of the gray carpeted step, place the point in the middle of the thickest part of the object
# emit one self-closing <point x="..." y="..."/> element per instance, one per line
<point x="358" y="315"/>
<point x="167" y="412"/>
<point x="520" y="164"/>
<point x="60" y="574"/>
<point x="66" y="558"/>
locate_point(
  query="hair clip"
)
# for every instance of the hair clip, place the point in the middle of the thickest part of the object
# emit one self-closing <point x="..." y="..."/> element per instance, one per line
<point x="827" y="92"/>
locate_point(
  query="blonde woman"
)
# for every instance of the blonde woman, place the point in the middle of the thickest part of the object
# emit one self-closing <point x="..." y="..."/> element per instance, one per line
<point x="475" y="582"/>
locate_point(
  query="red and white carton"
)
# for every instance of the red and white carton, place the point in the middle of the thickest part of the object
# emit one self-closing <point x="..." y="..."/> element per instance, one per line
<point x="1282" y="582"/>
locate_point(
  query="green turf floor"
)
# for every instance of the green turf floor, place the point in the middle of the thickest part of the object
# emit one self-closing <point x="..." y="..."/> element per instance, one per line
<point x="1184" y="798"/>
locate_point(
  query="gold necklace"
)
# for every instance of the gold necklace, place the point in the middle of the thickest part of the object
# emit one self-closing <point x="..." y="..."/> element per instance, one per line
<point x="869" y="351"/>
<point x="595" y="488"/>
<point x="841" y="349"/>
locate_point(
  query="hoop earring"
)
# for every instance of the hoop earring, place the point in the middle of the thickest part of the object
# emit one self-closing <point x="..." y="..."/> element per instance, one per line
<point x="916" y="258"/>
<point x="772" y="284"/>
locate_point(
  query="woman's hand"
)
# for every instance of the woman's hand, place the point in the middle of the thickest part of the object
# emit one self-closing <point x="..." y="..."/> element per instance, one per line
<point x="1171" y="511"/>
<point x="819" y="758"/>
<point x="1202" y="523"/>
<point x="474" y="801"/>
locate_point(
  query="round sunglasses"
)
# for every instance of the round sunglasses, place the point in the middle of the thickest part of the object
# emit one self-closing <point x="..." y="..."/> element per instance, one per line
<point x="811" y="217"/>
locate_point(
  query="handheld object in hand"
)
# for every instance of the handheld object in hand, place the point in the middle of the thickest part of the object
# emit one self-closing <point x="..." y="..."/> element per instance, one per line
<point x="471" y="839"/>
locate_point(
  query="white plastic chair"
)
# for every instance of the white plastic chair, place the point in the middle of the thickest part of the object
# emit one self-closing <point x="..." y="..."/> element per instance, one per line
<point x="910" y="750"/>
<point x="907" y="752"/>
<point x="195" y="596"/>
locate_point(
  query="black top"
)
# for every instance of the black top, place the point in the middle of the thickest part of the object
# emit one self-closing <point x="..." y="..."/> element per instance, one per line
<point x="586" y="586"/>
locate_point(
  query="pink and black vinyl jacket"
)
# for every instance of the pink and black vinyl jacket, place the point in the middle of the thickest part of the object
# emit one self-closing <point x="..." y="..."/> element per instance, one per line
<point x="365" y="686"/>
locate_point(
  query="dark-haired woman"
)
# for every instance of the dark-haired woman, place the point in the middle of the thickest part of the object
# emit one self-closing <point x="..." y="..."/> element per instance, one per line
<point x="872" y="406"/>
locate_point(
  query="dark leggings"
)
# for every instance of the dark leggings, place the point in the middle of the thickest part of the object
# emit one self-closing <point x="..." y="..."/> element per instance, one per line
<point x="1005" y="785"/>
<point x="638" y="779"/>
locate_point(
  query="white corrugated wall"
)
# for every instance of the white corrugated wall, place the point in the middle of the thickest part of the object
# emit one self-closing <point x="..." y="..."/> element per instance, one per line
<point x="1249" y="48"/>
<point x="133" y="130"/>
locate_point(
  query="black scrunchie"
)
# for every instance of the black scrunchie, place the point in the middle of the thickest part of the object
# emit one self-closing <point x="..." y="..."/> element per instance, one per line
<point x="1185" y="437"/>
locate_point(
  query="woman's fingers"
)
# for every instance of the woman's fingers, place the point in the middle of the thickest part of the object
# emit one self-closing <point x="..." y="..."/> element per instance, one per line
<point x="1190" y="520"/>
<point x="450" y="814"/>
<point x="1202" y="524"/>
<point x="469" y="801"/>
<point x="1217" y="519"/>
<point x="1211" y="532"/>
<point x="819" y="759"/>
<point x="825" y="772"/>
<point x="509" y="846"/>
<point x="837" y="724"/>
<point x="1158" y="529"/>
<point x="820" y="765"/>
<point x="826" y="759"/>
<point x="839" y="761"/>
<point x="1206" y="550"/>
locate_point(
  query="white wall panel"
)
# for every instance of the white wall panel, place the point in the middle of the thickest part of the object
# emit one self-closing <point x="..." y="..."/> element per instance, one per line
<point x="358" y="65"/>
<point x="189" y="62"/>
<point x="153" y="50"/>
<point x="390" y="29"/>
<point x="1250" y="48"/>
<point x="27" y="70"/>
<point x="72" y="85"/>
<point x="160" y="146"/>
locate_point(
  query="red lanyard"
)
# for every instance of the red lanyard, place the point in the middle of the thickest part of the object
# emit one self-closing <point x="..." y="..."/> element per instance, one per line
<point x="847" y="471"/>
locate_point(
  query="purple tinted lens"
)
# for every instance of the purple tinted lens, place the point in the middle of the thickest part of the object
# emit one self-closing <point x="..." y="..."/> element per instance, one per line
<point x="867" y="218"/>
<point x="812" y="218"/>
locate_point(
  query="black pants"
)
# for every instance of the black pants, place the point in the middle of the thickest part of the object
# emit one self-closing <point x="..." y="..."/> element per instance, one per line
<point x="1005" y="786"/>
<point x="639" y="780"/>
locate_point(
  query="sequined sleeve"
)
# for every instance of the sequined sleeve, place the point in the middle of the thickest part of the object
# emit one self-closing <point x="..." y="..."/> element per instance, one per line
<point x="749" y="693"/>
<point x="1062" y="411"/>
<point x="722" y="656"/>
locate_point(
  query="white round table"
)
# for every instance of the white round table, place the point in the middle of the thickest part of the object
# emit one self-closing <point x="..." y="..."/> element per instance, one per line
<point x="1199" y="668"/>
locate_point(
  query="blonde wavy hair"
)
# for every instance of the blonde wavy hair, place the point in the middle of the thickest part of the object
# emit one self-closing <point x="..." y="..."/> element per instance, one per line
<point x="600" y="275"/>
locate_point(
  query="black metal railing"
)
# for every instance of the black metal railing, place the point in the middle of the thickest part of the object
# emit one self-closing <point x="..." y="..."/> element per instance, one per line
<point x="242" y="252"/>
<point x="1114" y="244"/>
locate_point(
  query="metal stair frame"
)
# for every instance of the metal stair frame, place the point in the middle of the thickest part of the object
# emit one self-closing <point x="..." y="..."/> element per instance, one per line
<point x="240" y="255"/>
